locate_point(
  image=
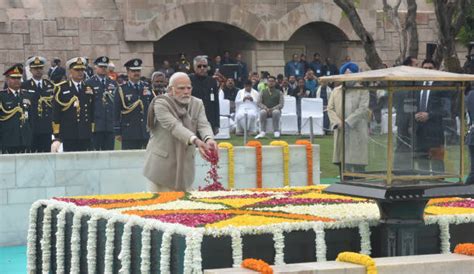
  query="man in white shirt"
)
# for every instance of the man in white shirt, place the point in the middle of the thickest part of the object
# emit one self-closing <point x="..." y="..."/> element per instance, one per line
<point x="246" y="103"/>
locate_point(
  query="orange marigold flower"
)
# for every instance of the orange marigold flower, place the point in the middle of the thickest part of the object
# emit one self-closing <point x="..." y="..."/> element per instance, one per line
<point x="257" y="265"/>
<point x="465" y="249"/>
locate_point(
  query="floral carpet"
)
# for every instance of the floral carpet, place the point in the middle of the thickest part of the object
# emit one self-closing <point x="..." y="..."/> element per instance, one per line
<point x="256" y="207"/>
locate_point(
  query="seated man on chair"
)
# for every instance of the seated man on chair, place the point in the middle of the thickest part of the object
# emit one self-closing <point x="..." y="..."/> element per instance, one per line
<point x="270" y="103"/>
<point x="246" y="103"/>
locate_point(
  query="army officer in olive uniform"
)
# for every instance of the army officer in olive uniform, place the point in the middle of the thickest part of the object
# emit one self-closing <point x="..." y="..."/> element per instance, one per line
<point x="15" y="106"/>
<point x="73" y="110"/>
<point x="40" y="91"/>
<point x="104" y="90"/>
<point x="131" y="107"/>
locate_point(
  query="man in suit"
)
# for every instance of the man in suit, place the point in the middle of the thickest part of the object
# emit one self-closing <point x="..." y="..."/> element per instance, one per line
<point x="429" y="134"/>
<point x="205" y="88"/>
<point x="104" y="91"/>
<point x="73" y="110"/>
<point x="56" y="73"/>
<point x="175" y="120"/>
<point x="131" y="106"/>
<point x="40" y="92"/>
<point x="15" y="123"/>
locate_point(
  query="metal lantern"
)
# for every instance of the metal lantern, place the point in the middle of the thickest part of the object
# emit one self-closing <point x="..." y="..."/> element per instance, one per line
<point x="416" y="151"/>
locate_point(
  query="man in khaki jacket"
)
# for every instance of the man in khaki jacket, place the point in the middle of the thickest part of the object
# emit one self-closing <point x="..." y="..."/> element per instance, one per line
<point x="174" y="121"/>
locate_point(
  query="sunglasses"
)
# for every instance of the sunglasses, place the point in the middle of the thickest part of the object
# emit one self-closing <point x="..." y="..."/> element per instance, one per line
<point x="202" y="66"/>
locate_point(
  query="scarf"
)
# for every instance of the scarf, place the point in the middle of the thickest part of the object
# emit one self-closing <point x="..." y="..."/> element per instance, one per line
<point x="180" y="112"/>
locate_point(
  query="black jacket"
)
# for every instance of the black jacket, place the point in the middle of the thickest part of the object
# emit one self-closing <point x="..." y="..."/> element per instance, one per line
<point x="205" y="88"/>
<point x="57" y="75"/>
<point x="470" y="110"/>
<point x="130" y="112"/>
<point x="15" y="120"/>
<point x="103" y="102"/>
<point x="430" y="134"/>
<point x="69" y="121"/>
<point x="41" y="111"/>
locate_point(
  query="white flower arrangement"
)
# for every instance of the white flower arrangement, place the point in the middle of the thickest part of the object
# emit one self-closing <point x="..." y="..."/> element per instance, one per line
<point x="320" y="242"/>
<point x="145" y="265"/>
<point x="236" y="239"/>
<point x="60" y="243"/>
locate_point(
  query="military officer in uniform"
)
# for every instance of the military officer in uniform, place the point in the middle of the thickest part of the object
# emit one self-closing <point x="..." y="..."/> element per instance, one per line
<point x="104" y="90"/>
<point x="131" y="107"/>
<point x="15" y="106"/>
<point x="73" y="110"/>
<point x="40" y="91"/>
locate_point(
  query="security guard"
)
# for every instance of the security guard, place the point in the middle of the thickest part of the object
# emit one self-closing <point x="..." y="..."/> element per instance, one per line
<point x="131" y="107"/>
<point x="15" y="106"/>
<point x="104" y="91"/>
<point x="73" y="110"/>
<point x="40" y="92"/>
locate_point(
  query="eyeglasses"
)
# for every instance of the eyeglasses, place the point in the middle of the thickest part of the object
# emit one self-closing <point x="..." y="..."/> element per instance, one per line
<point x="202" y="66"/>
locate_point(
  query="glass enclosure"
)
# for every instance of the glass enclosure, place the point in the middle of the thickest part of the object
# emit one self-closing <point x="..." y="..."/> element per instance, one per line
<point x="402" y="133"/>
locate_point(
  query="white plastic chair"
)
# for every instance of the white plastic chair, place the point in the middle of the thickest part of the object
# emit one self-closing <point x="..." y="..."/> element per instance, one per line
<point x="312" y="107"/>
<point x="224" y="129"/>
<point x="289" y="116"/>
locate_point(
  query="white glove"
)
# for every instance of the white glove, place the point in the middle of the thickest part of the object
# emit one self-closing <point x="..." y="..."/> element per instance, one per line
<point x="55" y="146"/>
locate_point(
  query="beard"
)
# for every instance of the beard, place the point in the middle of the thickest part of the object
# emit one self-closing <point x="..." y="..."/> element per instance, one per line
<point x="183" y="100"/>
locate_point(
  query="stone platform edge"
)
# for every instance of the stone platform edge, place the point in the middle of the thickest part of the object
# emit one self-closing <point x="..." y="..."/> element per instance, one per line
<point x="433" y="264"/>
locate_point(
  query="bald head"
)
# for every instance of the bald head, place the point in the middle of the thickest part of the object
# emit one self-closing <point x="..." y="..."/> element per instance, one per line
<point x="180" y="87"/>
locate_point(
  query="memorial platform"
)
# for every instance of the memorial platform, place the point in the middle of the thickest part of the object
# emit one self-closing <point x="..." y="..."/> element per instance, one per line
<point x="189" y="232"/>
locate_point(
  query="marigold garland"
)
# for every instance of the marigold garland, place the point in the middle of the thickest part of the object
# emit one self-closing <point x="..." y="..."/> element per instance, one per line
<point x="465" y="249"/>
<point x="257" y="265"/>
<point x="286" y="160"/>
<point x="361" y="259"/>
<point x="258" y="153"/>
<point x="309" y="158"/>
<point x="230" y="152"/>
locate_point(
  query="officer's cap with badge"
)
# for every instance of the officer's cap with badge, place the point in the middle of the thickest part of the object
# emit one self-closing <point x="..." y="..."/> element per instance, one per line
<point x="36" y="62"/>
<point x="102" y="61"/>
<point x="134" y="64"/>
<point x="77" y="63"/>
<point x="15" y="71"/>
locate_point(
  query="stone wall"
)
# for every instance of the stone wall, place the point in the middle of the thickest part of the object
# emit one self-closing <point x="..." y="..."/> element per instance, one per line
<point x="26" y="178"/>
<point x="124" y="29"/>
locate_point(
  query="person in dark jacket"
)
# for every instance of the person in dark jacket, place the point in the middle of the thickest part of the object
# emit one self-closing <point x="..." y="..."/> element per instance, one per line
<point x="104" y="91"/>
<point x="56" y="73"/>
<point x="73" y="110"/>
<point x="15" y="123"/>
<point x="470" y="136"/>
<point x="40" y="92"/>
<point x="205" y="88"/>
<point x="131" y="107"/>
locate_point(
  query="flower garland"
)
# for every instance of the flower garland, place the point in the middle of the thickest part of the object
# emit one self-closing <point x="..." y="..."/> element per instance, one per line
<point x="60" y="243"/>
<point x="230" y="156"/>
<point x="257" y="265"/>
<point x="75" y="242"/>
<point x="364" y="232"/>
<point x="46" y="241"/>
<point x="309" y="159"/>
<point x="258" y="153"/>
<point x="109" y="245"/>
<point x="92" y="244"/>
<point x="125" y="256"/>
<point x="236" y="247"/>
<point x="165" y="251"/>
<point x="279" y="243"/>
<point x="465" y="249"/>
<point x="146" y="249"/>
<point x="361" y="259"/>
<point x="444" y="236"/>
<point x="286" y="161"/>
<point x="321" y="248"/>
<point x="31" y="247"/>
